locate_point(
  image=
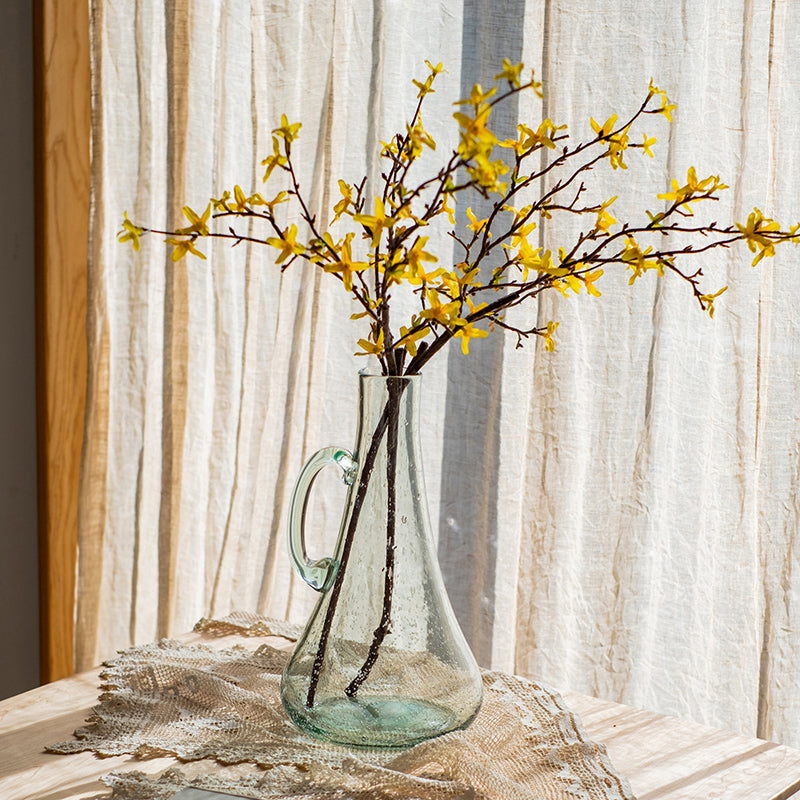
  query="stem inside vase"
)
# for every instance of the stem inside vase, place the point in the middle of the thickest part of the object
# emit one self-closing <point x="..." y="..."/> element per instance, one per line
<point x="388" y="419"/>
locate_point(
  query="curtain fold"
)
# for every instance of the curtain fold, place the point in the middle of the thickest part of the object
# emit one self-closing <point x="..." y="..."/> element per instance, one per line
<point x="618" y="517"/>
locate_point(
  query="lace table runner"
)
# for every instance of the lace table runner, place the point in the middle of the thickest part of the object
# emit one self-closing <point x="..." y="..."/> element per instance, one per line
<point x="197" y="703"/>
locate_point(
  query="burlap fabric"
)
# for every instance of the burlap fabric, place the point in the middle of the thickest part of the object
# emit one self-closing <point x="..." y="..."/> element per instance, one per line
<point x="198" y="703"/>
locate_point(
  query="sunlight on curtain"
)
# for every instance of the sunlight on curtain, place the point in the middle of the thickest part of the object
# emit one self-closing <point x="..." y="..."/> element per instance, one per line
<point x="619" y="517"/>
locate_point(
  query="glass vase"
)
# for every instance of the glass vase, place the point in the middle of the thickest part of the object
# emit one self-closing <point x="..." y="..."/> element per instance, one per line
<point x="382" y="661"/>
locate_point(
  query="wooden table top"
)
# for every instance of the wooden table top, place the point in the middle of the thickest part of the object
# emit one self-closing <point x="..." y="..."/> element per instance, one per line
<point x="664" y="758"/>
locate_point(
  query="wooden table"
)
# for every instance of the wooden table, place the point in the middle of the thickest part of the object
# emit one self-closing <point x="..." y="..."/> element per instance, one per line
<point x="664" y="758"/>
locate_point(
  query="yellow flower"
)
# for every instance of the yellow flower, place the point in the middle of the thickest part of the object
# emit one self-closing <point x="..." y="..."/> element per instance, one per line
<point x="409" y="338"/>
<point x="637" y="260"/>
<point x="287" y="244"/>
<point x="588" y="279"/>
<point x="683" y="195"/>
<point x="510" y="73"/>
<point x="427" y="87"/>
<point x="616" y="147"/>
<point x="435" y="70"/>
<point x="476" y="138"/>
<point x="477" y="96"/>
<point x="530" y="259"/>
<point x="487" y="173"/>
<point x="369" y="348"/>
<point x="475" y="224"/>
<point x="130" y="232"/>
<point x="375" y="223"/>
<point x="647" y="144"/>
<point x="549" y="343"/>
<point x="568" y="282"/>
<point x="606" y="128"/>
<point x="753" y="233"/>
<point x="666" y="107"/>
<point x="345" y="202"/>
<point x="417" y="137"/>
<point x="448" y="209"/>
<point x="467" y="331"/>
<point x="277" y="159"/>
<point x="243" y="202"/>
<point x="286" y="131"/>
<point x="707" y="301"/>
<point x="281" y="197"/>
<point x="221" y="204"/>
<point x="182" y="247"/>
<point x="443" y="313"/>
<point x="416" y="256"/>
<point x="198" y="224"/>
<point x="346" y="266"/>
<point x="604" y="219"/>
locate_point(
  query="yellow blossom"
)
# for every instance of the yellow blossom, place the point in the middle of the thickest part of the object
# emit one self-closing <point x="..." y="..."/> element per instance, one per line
<point x="221" y="203"/>
<point x="708" y="301"/>
<point x="683" y="195"/>
<point x="375" y="223"/>
<point x="476" y="138"/>
<point x="666" y="107"/>
<point x="637" y="260"/>
<point x="477" y="97"/>
<point x="281" y="197"/>
<point x="475" y="224"/>
<point x="606" y="128"/>
<point x="604" y="219"/>
<point x="510" y="73"/>
<point x="130" y="232"/>
<point x="443" y="313"/>
<point x="287" y="244"/>
<point x="543" y="135"/>
<point x="549" y="343"/>
<point x="467" y="331"/>
<point x="487" y="173"/>
<point x="277" y="159"/>
<point x="569" y="281"/>
<point x="286" y="131"/>
<point x="416" y="256"/>
<point x="345" y="266"/>
<point x="345" y="202"/>
<point x="753" y="233"/>
<point x="417" y="138"/>
<point x="588" y="279"/>
<point x="447" y="208"/>
<point x="375" y="347"/>
<point x="182" y="247"/>
<point x="198" y="224"/>
<point x="409" y="337"/>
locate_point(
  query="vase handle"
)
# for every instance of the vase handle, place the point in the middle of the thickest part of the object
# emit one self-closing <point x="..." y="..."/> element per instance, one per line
<point x="317" y="574"/>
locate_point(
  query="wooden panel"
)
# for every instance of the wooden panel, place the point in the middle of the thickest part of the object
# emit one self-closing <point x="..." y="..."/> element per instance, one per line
<point x="63" y="126"/>
<point x="667" y="758"/>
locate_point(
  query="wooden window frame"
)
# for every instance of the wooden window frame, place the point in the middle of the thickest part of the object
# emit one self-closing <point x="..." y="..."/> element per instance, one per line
<point x="62" y="125"/>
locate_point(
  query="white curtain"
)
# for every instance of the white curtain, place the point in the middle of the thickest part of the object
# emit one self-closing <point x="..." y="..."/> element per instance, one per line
<point x="619" y="517"/>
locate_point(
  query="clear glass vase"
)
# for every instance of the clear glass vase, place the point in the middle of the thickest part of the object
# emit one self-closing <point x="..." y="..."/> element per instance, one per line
<point x="382" y="661"/>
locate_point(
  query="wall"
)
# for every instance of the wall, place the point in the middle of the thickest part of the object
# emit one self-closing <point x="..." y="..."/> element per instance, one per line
<point x="19" y="633"/>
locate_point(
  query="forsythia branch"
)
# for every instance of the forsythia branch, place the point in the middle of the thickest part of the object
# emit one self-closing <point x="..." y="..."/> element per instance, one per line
<point x="382" y="245"/>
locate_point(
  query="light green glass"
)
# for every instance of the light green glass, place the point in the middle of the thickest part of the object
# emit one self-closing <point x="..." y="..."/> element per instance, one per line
<point x="382" y="661"/>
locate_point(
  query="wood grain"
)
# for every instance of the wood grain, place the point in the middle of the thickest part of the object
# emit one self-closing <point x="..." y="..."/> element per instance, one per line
<point x="63" y="127"/>
<point x="668" y="758"/>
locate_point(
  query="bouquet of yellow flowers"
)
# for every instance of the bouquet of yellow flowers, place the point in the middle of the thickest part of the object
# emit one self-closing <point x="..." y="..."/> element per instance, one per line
<point x="379" y="246"/>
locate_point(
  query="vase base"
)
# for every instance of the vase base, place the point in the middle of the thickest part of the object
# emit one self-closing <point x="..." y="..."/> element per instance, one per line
<point x="391" y="722"/>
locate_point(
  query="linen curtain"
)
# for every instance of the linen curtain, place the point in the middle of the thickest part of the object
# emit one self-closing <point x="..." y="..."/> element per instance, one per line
<point x="618" y="517"/>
